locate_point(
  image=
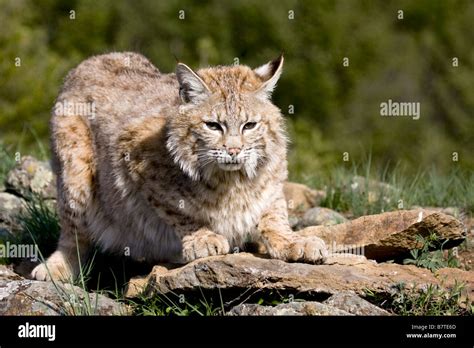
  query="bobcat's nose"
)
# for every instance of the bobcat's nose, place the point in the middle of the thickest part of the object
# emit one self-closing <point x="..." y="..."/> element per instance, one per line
<point x="233" y="151"/>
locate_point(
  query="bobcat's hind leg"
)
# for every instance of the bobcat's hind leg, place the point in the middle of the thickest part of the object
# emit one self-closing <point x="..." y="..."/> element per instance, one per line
<point x="75" y="171"/>
<point x="63" y="264"/>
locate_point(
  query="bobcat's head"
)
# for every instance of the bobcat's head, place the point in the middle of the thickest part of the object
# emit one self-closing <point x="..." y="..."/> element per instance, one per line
<point x="226" y="121"/>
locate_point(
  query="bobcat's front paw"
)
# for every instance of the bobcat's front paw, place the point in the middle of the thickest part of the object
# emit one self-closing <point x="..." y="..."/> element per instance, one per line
<point x="298" y="249"/>
<point x="55" y="268"/>
<point x="202" y="244"/>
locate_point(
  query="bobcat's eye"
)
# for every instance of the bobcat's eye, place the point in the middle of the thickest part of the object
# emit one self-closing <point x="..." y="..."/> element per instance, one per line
<point x="249" y="125"/>
<point x="214" y="126"/>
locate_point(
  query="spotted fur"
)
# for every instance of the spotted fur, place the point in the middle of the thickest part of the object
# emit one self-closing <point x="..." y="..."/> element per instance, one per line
<point x="170" y="167"/>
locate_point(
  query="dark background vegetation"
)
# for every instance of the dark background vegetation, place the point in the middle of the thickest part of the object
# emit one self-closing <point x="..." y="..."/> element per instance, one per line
<point x="336" y="108"/>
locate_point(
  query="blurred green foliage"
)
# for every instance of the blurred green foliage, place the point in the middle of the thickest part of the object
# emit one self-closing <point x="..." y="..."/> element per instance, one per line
<point x="336" y="108"/>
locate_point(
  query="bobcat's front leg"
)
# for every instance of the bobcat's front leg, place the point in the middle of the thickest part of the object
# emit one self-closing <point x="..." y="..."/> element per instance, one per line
<point x="203" y="243"/>
<point x="282" y="243"/>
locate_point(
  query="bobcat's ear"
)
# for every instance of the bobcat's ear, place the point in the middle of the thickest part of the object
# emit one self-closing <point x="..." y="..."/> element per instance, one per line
<point x="192" y="89"/>
<point x="269" y="73"/>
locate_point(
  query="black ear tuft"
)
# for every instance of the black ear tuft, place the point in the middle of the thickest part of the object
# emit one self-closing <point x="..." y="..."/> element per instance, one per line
<point x="270" y="73"/>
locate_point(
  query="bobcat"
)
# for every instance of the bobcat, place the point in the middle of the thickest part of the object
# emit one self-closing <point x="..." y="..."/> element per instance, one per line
<point x="169" y="167"/>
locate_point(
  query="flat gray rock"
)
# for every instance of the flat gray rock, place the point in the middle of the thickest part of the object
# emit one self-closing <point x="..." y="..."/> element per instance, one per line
<point x="32" y="176"/>
<point x="319" y="216"/>
<point x="11" y="207"/>
<point x="389" y="235"/>
<point x="292" y="308"/>
<point x="20" y="296"/>
<point x="353" y="304"/>
<point x="243" y="270"/>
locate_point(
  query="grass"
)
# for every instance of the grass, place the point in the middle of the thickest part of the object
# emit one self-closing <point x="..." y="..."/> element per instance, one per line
<point x="431" y="300"/>
<point x="432" y="260"/>
<point x="361" y="190"/>
<point x="40" y="224"/>
<point x="7" y="162"/>
<point x="172" y="304"/>
<point x="215" y="302"/>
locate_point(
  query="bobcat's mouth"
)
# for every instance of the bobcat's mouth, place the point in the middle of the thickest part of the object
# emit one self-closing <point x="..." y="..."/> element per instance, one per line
<point x="230" y="163"/>
<point x="230" y="166"/>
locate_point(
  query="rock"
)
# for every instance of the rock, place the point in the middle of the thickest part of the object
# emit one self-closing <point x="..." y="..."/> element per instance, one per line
<point x="321" y="216"/>
<point x="7" y="273"/>
<point x="389" y="235"/>
<point x="351" y="303"/>
<point x="138" y="284"/>
<point x="135" y="287"/>
<point x="346" y="259"/>
<point x="294" y="221"/>
<point x="453" y="211"/>
<point x="465" y="254"/>
<point x="10" y="207"/>
<point x="20" y="296"/>
<point x="448" y="276"/>
<point x="300" y="197"/>
<point x="243" y="270"/>
<point x="292" y="308"/>
<point x="32" y="176"/>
